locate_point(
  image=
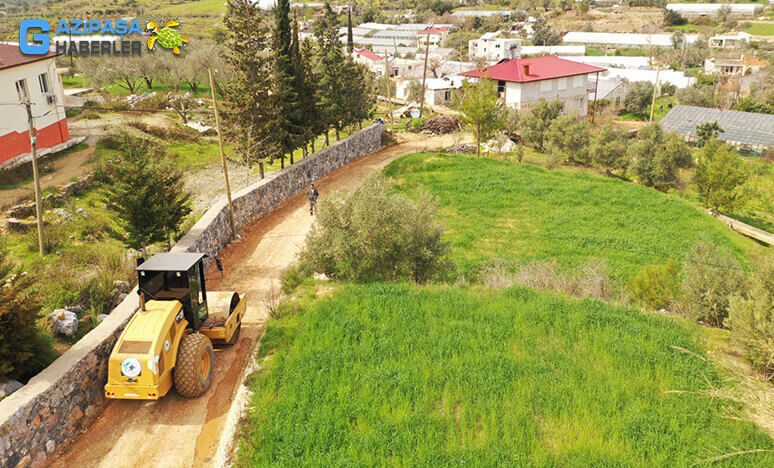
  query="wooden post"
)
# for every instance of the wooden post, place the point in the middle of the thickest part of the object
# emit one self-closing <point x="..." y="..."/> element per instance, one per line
<point x="424" y="76"/>
<point x="223" y="158"/>
<point x="653" y="101"/>
<point x="35" y="175"/>
<point x="596" y="92"/>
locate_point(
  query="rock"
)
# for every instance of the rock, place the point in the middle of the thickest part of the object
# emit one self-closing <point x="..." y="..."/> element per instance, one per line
<point x="101" y="317"/>
<point x="65" y="322"/>
<point x="50" y="446"/>
<point x="320" y="276"/>
<point x="122" y="286"/>
<point x="21" y="225"/>
<point x="9" y="386"/>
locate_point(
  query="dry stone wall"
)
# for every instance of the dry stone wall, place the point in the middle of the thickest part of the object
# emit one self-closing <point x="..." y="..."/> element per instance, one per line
<point x="65" y="398"/>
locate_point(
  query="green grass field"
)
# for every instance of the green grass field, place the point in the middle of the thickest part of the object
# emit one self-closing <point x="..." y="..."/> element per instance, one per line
<point x="522" y="212"/>
<point x="662" y="109"/>
<point x="761" y="29"/>
<point x="398" y="375"/>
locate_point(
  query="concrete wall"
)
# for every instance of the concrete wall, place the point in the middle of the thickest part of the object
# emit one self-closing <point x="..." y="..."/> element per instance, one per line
<point x="69" y="394"/>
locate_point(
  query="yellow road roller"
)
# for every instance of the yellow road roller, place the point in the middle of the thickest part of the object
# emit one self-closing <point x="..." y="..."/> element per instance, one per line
<point x="169" y="340"/>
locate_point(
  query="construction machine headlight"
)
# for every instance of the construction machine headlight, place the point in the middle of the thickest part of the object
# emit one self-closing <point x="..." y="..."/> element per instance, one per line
<point x="131" y="367"/>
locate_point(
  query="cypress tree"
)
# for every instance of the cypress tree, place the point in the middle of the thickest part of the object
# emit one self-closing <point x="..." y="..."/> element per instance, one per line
<point x="285" y="93"/>
<point x="330" y="58"/>
<point x="350" y="39"/>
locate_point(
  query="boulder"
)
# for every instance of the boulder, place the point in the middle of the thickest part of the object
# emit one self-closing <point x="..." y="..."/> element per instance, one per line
<point x="101" y="317"/>
<point x="9" y="386"/>
<point x="122" y="286"/>
<point x="65" y="322"/>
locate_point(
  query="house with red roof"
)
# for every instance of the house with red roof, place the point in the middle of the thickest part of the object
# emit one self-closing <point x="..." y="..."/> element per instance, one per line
<point x="32" y="77"/>
<point x="370" y="59"/>
<point x="525" y="81"/>
<point x="435" y="35"/>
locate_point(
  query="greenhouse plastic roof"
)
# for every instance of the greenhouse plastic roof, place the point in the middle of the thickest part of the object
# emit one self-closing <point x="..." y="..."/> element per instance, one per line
<point x="746" y="128"/>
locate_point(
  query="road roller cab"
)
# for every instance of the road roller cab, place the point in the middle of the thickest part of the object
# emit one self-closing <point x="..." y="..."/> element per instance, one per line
<point x="169" y="340"/>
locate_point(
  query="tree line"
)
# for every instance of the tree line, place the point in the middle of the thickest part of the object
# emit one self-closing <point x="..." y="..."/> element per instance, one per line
<point x="283" y="92"/>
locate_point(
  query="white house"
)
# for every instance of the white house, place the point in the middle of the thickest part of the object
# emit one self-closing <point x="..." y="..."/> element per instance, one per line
<point x="623" y="40"/>
<point x="438" y="91"/>
<point x="711" y="9"/>
<point x="723" y="41"/>
<point x="523" y="82"/>
<point x="741" y="66"/>
<point x="491" y="47"/>
<point x="373" y="61"/>
<point x="30" y="77"/>
<point x="434" y="35"/>
<point x="615" y="61"/>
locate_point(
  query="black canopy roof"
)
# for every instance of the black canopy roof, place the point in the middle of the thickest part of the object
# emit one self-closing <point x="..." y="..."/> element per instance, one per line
<point x="169" y="261"/>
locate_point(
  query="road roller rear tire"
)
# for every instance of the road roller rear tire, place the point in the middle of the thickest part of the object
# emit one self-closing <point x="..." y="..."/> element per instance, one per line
<point x="194" y="368"/>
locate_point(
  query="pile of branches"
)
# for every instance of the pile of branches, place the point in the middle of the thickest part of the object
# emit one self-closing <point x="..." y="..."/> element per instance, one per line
<point x="442" y="124"/>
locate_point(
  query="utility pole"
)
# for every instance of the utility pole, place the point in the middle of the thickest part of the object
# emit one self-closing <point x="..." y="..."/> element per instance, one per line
<point x="222" y="157"/>
<point x="35" y="175"/>
<point x="424" y="75"/>
<point x="653" y="101"/>
<point x="596" y="92"/>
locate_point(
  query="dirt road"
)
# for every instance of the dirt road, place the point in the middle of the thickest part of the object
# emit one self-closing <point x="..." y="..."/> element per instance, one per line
<point x="179" y="432"/>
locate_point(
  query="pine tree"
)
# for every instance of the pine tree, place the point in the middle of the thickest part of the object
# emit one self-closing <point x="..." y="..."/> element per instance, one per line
<point x="250" y="113"/>
<point x="350" y="39"/>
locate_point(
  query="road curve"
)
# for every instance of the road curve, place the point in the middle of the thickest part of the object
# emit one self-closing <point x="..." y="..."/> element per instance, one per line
<point x="176" y="431"/>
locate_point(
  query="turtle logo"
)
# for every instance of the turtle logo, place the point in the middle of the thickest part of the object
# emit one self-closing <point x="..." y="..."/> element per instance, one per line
<point x="168" y="37"/>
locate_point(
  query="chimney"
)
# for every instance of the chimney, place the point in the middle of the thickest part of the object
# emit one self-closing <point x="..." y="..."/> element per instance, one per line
<point x="525" y="68"/>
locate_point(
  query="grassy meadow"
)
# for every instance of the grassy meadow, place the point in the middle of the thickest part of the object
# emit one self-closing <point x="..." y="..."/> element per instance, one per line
<point x="523" y="212"/>
<point x="401" y="375"/>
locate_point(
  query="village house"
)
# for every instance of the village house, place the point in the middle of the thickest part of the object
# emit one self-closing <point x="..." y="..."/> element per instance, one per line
<point x="33" y="78"/>
<point x="725" y="41"/>
<point x="491" y="47"/>
<point x="438" y="91"/>
<point x="523" y="82"/>
<point x="373" y="61"/>
<point x="730" y="67"/>
<point x="612" y="90"/>
<point x="434" y="35"/>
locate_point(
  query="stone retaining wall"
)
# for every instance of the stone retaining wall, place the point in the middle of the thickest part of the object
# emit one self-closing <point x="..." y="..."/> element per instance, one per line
<point x="69" y="394"/>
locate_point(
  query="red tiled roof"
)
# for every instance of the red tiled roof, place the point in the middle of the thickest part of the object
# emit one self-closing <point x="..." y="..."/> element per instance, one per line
<point x="368" y="54"/>
<point x="540" y="68"/>
<point x="11" y="56"/>
<point x="433" y="30"/>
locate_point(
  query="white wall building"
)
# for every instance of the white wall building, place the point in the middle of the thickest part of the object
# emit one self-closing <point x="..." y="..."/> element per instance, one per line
<point x="30" y="77"/>
<point x="438" y="91"/>
<point x="623" y="40"/>
<point x="561" y="50"/>
<point x="523" y="82"/>
<point x="711" y="9"/>
<point x="491" y="47"/>
<point x="608" y="89"/>
<point x="727" y="40"/>
<point x="434" y="36"/>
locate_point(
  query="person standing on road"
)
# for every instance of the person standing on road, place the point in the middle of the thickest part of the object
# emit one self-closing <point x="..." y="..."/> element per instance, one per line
<point x="312" y="195"/>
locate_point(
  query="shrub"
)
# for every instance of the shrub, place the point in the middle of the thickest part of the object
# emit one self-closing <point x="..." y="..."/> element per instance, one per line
<point x="711" y="277"/>
<point x="752" y="318"/>
<point x="24" y="351"/>
<point x="656" y="285"/>
<point x="291" y="278"/>
<point x="375" y="235"/>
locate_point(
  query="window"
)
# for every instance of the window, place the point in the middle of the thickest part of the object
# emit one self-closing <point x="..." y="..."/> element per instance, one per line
<point x="43" y="81"/>
<point x="546" y="85"/>
<point x="578" y="81"/>
<point x="500" y="88"/>
<point x="447" y="96"/>
<point x="562" y="83"/>
<point x="21" y="90"/>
